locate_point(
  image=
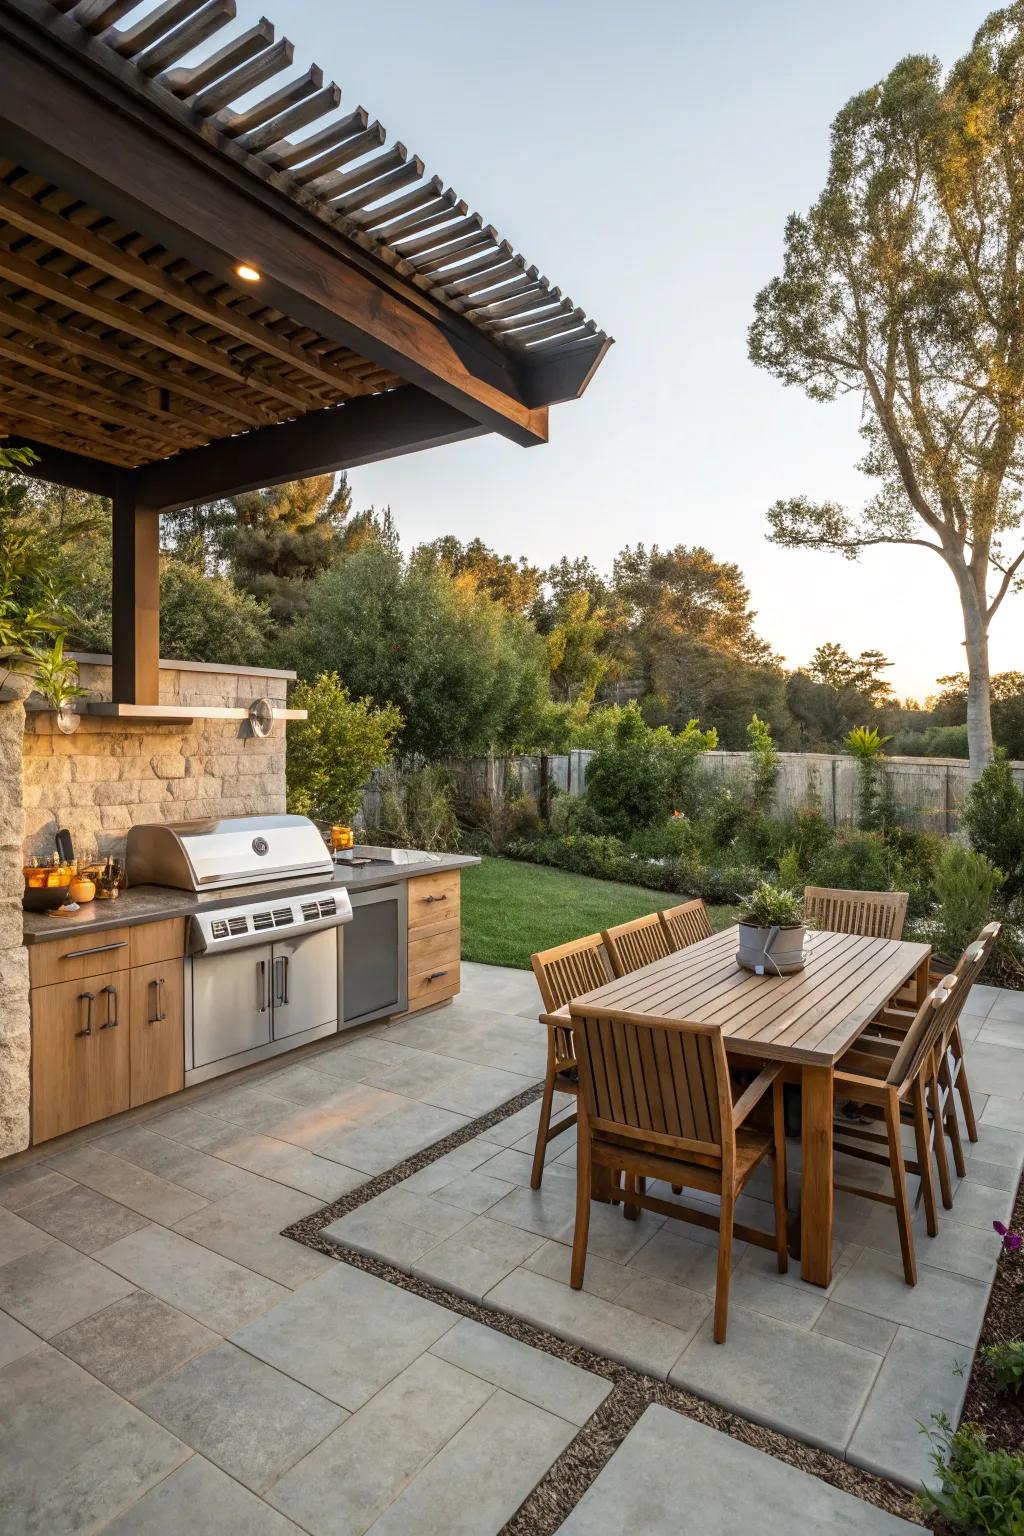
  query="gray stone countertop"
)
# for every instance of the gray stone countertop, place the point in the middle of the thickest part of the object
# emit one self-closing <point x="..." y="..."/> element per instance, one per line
<point x="150" y="903"/>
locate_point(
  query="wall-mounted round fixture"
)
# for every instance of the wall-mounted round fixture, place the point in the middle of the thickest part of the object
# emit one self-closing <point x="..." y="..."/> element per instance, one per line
<point x="247" y="273"/>
<point x="261" y="717"/>
<point x="68" y="720"/>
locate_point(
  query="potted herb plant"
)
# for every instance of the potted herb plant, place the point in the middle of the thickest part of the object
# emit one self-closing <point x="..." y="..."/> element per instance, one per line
<point x="772" y="931"/>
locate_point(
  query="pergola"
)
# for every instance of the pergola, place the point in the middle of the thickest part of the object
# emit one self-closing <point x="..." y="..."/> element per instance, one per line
<point x="207" y="287"/>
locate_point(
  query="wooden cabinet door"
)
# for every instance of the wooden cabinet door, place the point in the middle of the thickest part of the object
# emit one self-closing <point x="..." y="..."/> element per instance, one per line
<point x="158" y="1030"/>
<point x="80" y="1053"/>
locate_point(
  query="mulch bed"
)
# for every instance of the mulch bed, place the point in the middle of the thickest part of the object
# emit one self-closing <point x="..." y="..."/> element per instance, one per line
<point x="1000" y="1416"/>
<point x="568" y="1479"/>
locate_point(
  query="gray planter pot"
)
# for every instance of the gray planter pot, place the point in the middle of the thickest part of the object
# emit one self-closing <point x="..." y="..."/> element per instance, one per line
<point x="771" y="951"/>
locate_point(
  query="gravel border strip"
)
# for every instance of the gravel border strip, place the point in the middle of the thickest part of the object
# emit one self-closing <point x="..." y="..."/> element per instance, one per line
<point x="569" y="1477"/>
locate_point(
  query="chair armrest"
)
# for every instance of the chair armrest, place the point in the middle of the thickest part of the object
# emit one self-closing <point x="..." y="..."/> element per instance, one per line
<point x="853" y="1086"/>
<point x="753" y="1093"/>
<point x="560" y="1019"/>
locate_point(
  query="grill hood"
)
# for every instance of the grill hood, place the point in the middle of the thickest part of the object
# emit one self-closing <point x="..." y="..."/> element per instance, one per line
<point x="215" y="854"/>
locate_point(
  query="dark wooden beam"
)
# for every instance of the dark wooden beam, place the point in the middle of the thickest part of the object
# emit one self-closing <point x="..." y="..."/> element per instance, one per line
<point x="360" y="432"/>
<point x="135" y="580"/>
<point x="118" y="153"/>
<point x="60" y="467"/>
<point x="565" y="376"/>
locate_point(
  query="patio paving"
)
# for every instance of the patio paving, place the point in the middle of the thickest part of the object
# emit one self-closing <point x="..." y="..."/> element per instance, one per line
<point x="168" y="1361"/>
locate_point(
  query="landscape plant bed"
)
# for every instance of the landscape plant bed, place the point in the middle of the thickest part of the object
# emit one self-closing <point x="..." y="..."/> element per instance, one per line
<point x="568" y="1479"/>
<point x="1000" y="1415"/>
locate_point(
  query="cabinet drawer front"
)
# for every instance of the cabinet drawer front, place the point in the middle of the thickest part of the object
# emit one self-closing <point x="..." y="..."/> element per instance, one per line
<point x="432" y="897"/>
<point x="437" y="948"/>
<point x="158" y="1030"/>
<point x="77" y="956"/>
<point x="439" y="980"/>
<point x="80" y="1032"/>
<point x="164" y="940"/>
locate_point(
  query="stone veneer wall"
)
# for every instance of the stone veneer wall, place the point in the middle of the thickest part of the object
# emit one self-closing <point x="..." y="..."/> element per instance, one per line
<point x="110" y="775"/>
<point x="14" y="1012"/>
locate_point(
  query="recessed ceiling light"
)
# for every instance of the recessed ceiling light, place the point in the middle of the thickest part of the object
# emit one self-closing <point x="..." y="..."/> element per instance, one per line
<point x="248" y="274"/>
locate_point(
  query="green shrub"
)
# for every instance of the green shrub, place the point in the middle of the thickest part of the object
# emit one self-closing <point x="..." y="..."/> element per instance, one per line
<point x="789" y="867"/>
<point x="672" y="839"/>
<point x="628" y="786"/>
<point x="332" y="753"/>
<point x="765" y="764"/>
<point x="416" y="810"/>
<point x="493" y="821"/>
<point x="866" y="745"/>
<point x="855" y="861"/>
<point x="573" y="813"/>
<point x="994" y="821"/>
<point x="770" y="905"/>
<point x="1006" y="1362"/>
<point x="964" y="884"/>
<point x="982" y="1491"/>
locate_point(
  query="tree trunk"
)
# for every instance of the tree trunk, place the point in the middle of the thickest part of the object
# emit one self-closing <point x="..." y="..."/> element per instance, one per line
<point x="979" y="712"/>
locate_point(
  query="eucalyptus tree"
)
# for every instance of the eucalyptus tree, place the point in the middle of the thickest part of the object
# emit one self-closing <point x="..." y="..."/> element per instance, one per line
<point x="904" y="284"/>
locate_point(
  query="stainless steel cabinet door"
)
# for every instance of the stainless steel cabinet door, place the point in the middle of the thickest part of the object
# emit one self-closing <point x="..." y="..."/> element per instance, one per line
<point x="230" y="1003"/>
<point x="305" y="982"/>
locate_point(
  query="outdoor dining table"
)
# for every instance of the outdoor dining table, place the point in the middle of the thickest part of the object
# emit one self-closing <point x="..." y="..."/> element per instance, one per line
<point x="806" y="1020"/>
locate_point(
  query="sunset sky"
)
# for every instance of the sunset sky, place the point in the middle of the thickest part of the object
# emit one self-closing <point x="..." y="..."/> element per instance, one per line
<point x="645" y="158"/>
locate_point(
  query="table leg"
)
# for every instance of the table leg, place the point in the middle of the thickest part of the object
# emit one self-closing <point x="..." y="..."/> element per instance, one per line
<point x="816" y="1180"/>
<point x="921" y="980"/>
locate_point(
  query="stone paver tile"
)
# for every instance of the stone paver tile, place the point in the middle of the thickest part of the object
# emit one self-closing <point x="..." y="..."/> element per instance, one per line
<point x="523" y="1123"/>
<point x="685" y="1310"/>
<point x="375" y="1148"/>
<point x="997" y="1145"/>
<point x="458" y="1267"/>
<point x="602" y="1277"/>
<point x="353" y="1108"/>
<point x="419" y="1074"/>
<point x="73" y="1454"/>
<point x="19" y="1236"/>
<point x="920" y="1376"/>
<point x="990" y="1175"/>
<point x="761" y="1292"/>
<point x="503" y="1241"/>
<point x="1004" y="1113"/>
<point x="677" y="1257"/>
<point x="479" y="1090"/>
<point x="201" y="1499"/>
<point x="1008" y="1005"/>
<point x="53" y="1287"/>
<point x="612" y="1237"/>
<point x="346" y="1334"/>
<point x="253" y="1107"/>
<point x="461" y="1160"/>
<point x="133" y="1341"/>
<point x="803" y="1383"/>
<point x="475" y="1192"/>
<point x="951" y="1306"/>
<point x="16" y="1340"/>
<point x="295" y="1167"/>
<point x="34" y="1181"/>
<point x="515" y="1168"/>
<point x="996" y="1069"/>
<point x="373" y="1049"/>
<point x="84" y="1219"/>
<point x="173" y="1160"/>
<point x="549" y="1211"/>
<point x="977" y="1204"/>
<point x="214" y="1290"/>
<point x="247" y="1228"/>
<point x="542" y="1379"/>
<point x="152" y="1196"/>
<point x="995" y="1030"/>
<point x="341" y="1488"/>
<point x="381" y="1234"/>
<point x="248" y="1419"/>
<point x="477" y="1482"/>
<point x="423" y="1211"/>
<point x="858" y="1328"/>
<point x="668" y="1464"/>
<point x="303" y="1084"/>
<point x="604" y="1326"/>
<point x="188" y="1124"/>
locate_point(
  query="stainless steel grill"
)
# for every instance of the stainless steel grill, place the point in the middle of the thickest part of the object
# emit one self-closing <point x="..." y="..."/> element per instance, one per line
<point x="217" y="854"/>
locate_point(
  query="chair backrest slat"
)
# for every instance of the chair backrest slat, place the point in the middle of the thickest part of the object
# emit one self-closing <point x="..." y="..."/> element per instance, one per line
<point x="686" y="924"/>
<point x="968" y="968"/>
<point x="922" y="1037"/>
<point x="569" y="970"/>
<point x="656" y="1078"/>
<point x="632" y="945"/>
<point x="874" y="914"/>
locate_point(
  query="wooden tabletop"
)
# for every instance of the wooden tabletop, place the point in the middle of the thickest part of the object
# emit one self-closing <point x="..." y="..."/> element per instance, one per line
<point x="812" y="1016"/>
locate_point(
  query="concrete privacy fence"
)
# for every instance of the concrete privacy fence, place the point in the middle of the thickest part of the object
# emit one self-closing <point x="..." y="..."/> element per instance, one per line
<point x="926" y="791"/>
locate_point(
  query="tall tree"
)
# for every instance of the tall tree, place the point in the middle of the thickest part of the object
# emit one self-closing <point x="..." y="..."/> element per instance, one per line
<point x="837" y="669"/>
<point x="512" y="583"/>
<point x="577" y="653"/>
<point x="903" y="283"/>
<point x="282" y="538"/>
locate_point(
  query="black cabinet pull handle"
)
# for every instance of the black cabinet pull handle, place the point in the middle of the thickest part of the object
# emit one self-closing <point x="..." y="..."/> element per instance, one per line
<point x="434" y="975"/>
<point x="158" y="1014"/>
<point x="261" y="981"/>
<point x="113" y="1015"/>
<point x="97" y="949"/>
<point x="435" y="898"/>
<point x="88" y="998"/>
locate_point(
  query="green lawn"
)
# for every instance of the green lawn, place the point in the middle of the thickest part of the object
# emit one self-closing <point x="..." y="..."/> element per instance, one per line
<point x="511" y="910"/>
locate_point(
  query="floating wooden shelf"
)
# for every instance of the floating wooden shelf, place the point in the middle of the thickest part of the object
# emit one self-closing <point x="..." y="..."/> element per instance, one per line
<point x="156" y="714"/>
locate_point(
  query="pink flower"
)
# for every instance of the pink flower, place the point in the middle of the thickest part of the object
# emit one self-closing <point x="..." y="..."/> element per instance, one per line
<point x="1013" y="1242"/>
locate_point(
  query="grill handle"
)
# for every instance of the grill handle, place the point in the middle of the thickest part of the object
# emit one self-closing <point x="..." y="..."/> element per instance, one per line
<point x="261" y="982"/>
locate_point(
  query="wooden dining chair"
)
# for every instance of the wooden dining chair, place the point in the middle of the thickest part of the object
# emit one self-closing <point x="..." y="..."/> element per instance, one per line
<point x="631" y="945"/>
<point x="900" y="1086"/>
<point x="656" y="1102"/>
<point x="686" y="924"/>
<point x="874" y="914"/>
<point x="562" y="973"/>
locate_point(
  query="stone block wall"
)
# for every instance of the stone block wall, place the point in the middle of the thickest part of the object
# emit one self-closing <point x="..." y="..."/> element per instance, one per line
<point x="15" y="1049"/>
<point x="110" y="775"/>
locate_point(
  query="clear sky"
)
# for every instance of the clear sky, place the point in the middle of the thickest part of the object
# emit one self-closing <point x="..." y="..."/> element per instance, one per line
<point x="645" y="158"/>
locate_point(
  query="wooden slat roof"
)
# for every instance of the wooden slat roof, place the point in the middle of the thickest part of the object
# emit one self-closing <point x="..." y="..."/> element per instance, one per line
<point x="331" y="161"/>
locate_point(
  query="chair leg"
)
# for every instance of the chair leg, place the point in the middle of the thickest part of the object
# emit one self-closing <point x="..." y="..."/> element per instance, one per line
<point x="638" y="1183"/>
<point x="544" y="1124"/>
<point x="899" y="1186"/>
<point x="584" y="1177"/>
<point x="924" y="1159"/>
<point x="725" y="1221"/>
<point x="779" y="1189"/>
<point x="950" y="1121"/>
<point x="963" y="1088"/>
<point x="945" y="1182"/>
